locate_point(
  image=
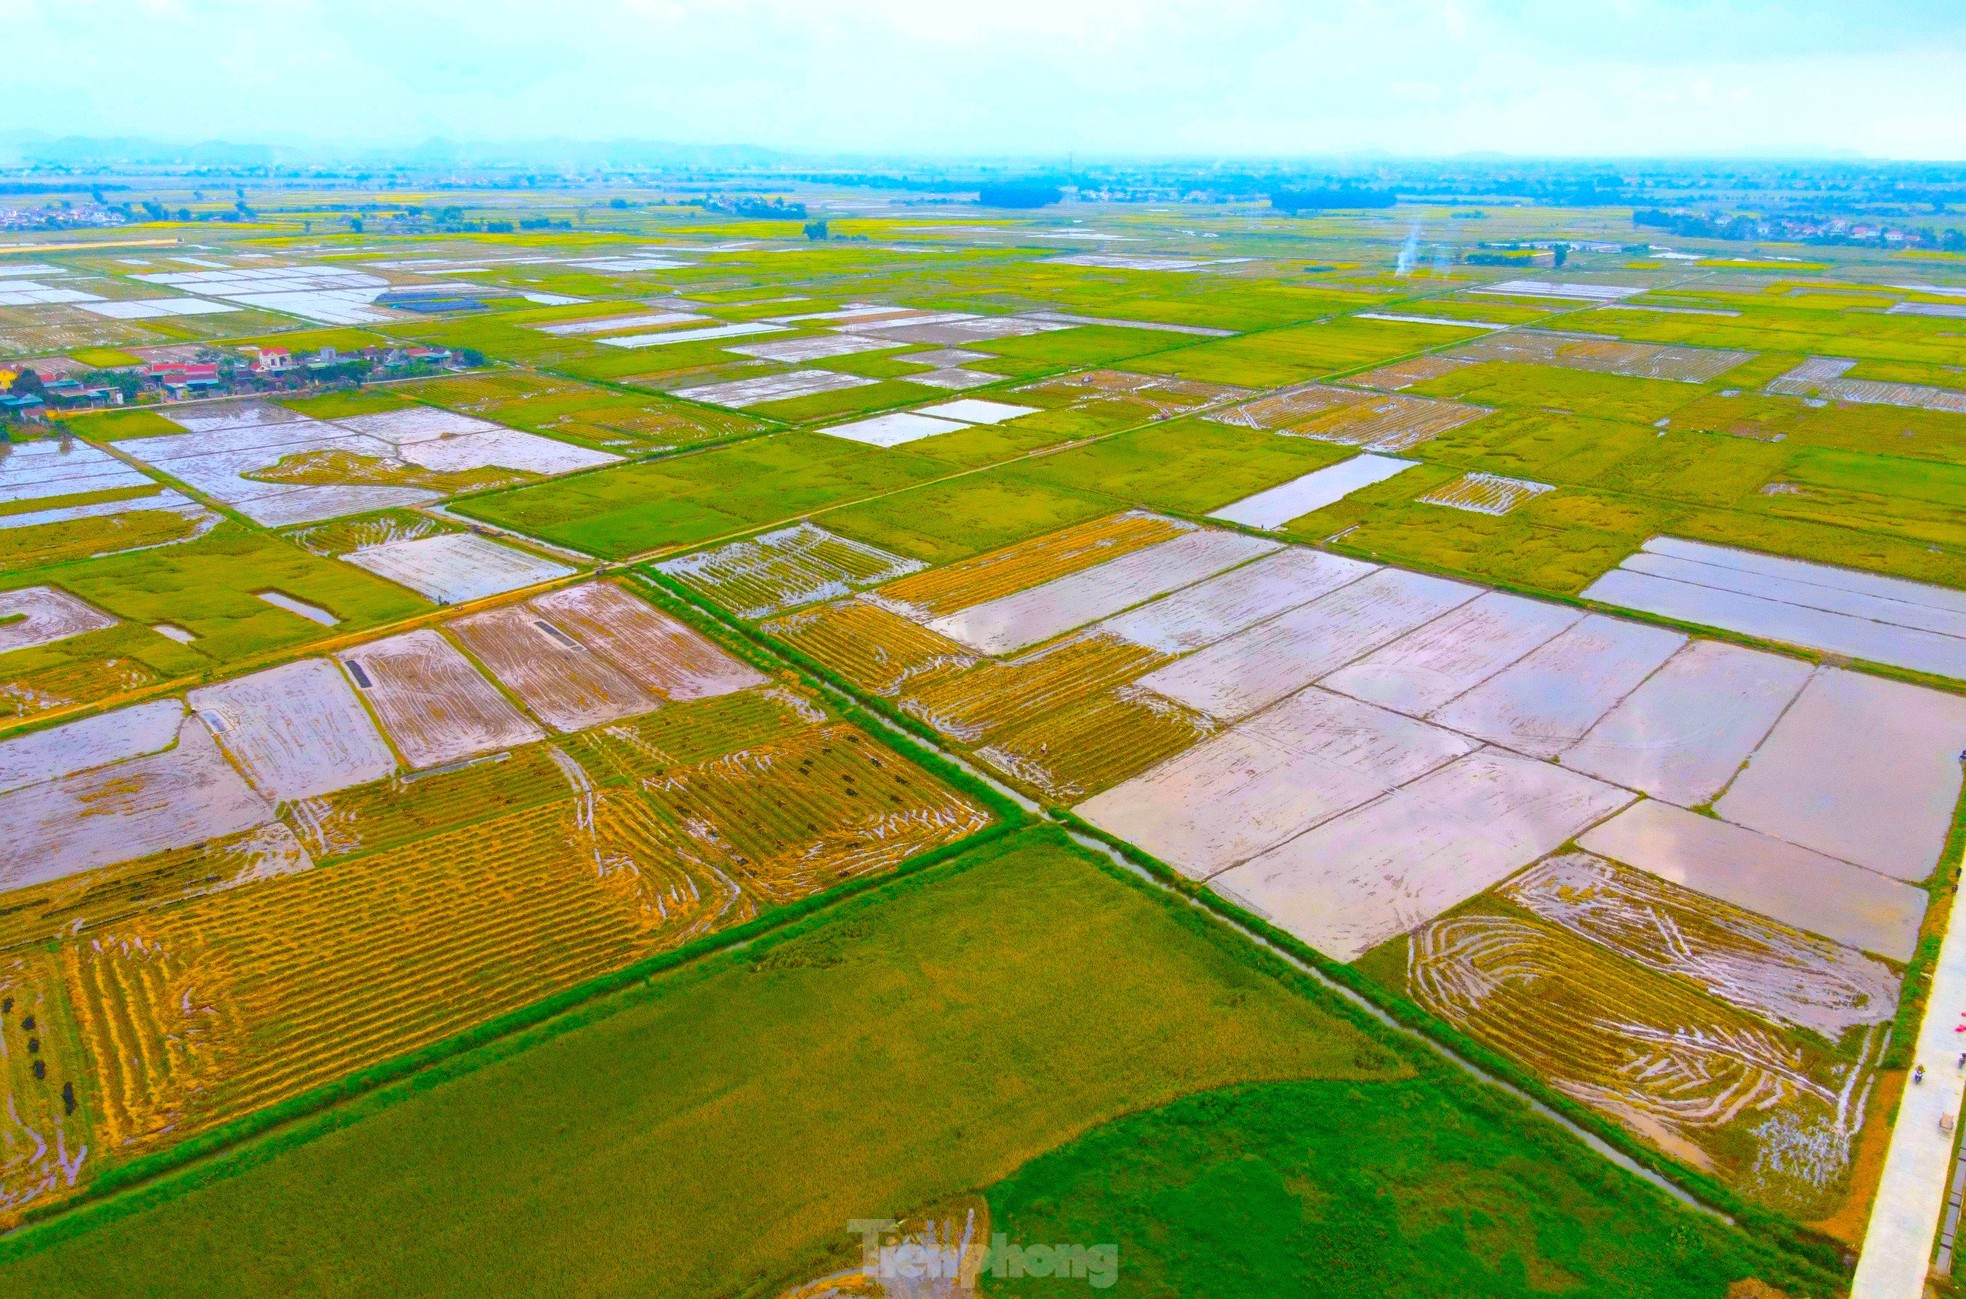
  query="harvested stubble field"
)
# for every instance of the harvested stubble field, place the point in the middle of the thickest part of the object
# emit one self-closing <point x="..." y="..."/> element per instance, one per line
<point x="1301" y="799"/>
<point x="700" y="1096"/>
<point x="780" y="570"/>
<point x="1388" y="423"/>
<point x="618" y="787"/>
<point x="873" y="647"/>
<point x="996" y="694"/>
<point x="1094" y="743"/>
<point x="202" y="983"/>
<point x="340" y="536"/>
<point x="960" y="586"/>
<point x="1726" y="1092"/>
<point x="1160" y="394"/>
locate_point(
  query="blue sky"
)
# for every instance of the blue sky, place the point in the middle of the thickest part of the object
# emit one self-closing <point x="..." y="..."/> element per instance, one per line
<point x="994" y="77"/>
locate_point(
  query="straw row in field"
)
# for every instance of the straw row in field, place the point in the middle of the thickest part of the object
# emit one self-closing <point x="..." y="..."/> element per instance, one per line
<point x="876" y="649"/>
<point x="43" y="1141"/>
<point x="995" y="696"/>
<point x="1290" y="406"/>
<point x="200" y="1013"/>
<point x="396" y="811"/>
<point x="340" y="536"/>
<point x="686" y="733"/>
<point x="1741" y="957"/>
<point x="1485" y="493"/>
<point x="1095" y="743"/>
<point x="1713" y="1086"/>
<point x="784" y="569"/>
<point x="804" y="813"/>
<point x="75" y="904"/>
<point x="1004" y="572"/>
<point x="1388" y="422"/>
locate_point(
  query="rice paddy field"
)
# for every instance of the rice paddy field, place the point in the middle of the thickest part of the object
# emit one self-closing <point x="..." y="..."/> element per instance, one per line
<point x="1025" y="981"/>
<point x="1568" y="660"/>
<point x="1385" y="764"/>
<point x="331" y="863"/>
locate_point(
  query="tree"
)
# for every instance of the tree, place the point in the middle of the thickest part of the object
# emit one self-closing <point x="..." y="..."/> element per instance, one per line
<point x="355" y="225"/>
<point x="1026" y="195"/>
<point x="1562" y="252"/>
<point x="816" y="230"/>
<point x="1316" y="200"/>
<point x="28" y="384"/>
<point x="124" y="381"/>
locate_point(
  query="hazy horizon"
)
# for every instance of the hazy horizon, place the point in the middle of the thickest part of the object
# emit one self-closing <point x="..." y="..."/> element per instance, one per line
<point x="1731" y="79"/>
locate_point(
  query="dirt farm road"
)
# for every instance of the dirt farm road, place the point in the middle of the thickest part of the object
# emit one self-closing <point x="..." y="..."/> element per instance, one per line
<point x="1912" y="1195"/>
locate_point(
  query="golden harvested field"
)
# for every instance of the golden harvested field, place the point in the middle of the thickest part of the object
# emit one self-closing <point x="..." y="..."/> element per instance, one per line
<point x="1770" y="1112"/>
<point x="184" y="990"/>
<point x="1390" y="422"/>
<point x="73" y="903"/>
<point x="1765" y="968"/>
<point x="640" y="748"/>
<point x="43" y="1139"/>
<point x="339" y="536"/>
<point x="801" y="814"/>
<point x="404" y="808"/>
<point x="875" y="648"/>
<point x="994" y="696"/>
<point x="204" y="1012"/>
<point x="1092" y="744"/>
<point x="1003" y="572"/>
<point x="72" y="682"/>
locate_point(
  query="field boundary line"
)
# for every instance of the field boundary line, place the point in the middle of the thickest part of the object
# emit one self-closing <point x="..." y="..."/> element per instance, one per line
<point x="1691" y="1187"/>
<point x="253" y="1139"/>
<point x="1608" y="1141"/>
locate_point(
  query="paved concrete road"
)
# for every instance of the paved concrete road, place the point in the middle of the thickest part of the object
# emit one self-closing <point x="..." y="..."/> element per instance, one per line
<point x="1905" y="1221"/>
